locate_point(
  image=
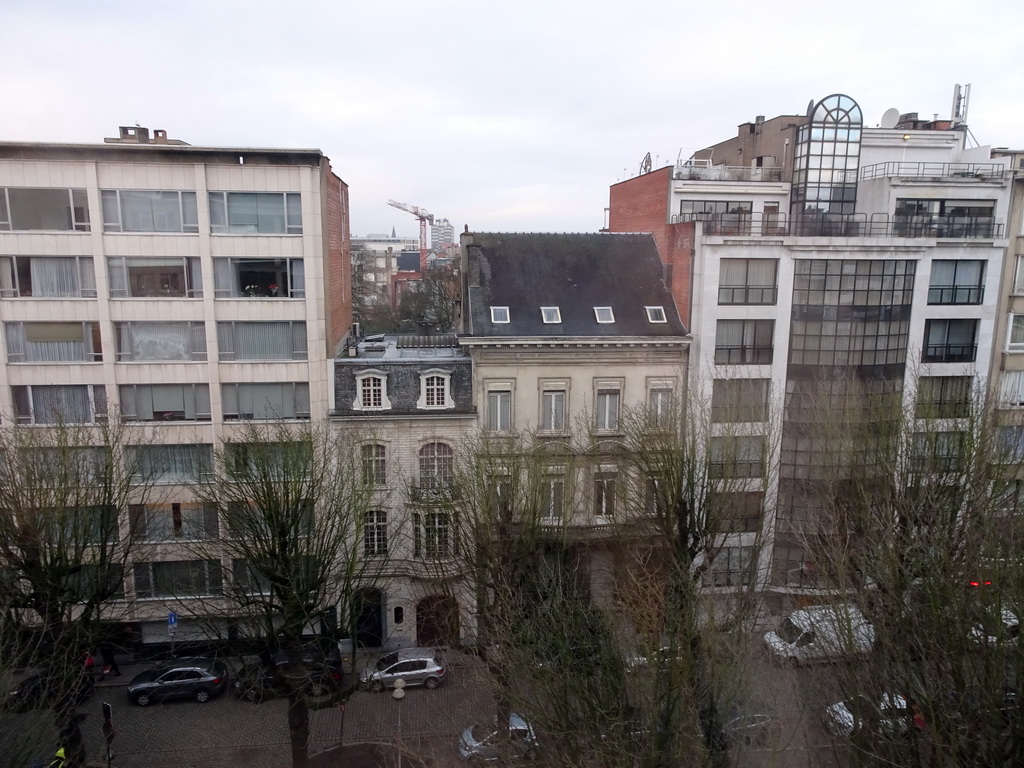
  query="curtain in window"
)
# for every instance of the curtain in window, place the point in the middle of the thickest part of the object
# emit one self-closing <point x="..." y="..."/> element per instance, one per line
<point x="62" y="404"/>
<point x="734" y="272"/>
<point x="150" y="212"/>
<point x="225" y="277"/>
<point x="298" y="278"/>
<point x="48" y="342"/>
<point x="943" y="273"/>
<point x="155" y="341"/>
<point x="194" y="284"/>
<point x="173" y="463"/>
<point x="54" y="277"/>
<point x="257" y="341"/>
<point x="761" y="273"/>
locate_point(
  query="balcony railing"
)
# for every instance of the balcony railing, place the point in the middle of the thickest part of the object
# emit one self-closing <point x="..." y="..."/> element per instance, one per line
<point x="950" y="353"/>
<point x="725" y="173"/>
<point x="982" y="171"/>
<point x="854" y="225"/>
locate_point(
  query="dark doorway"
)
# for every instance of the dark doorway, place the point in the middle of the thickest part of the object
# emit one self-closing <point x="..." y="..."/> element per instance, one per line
<point x="437" y="621"/>
<point x="368" y="611"/>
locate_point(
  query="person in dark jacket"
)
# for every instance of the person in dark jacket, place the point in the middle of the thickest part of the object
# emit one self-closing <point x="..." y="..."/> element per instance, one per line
<point x="109" y="660"/>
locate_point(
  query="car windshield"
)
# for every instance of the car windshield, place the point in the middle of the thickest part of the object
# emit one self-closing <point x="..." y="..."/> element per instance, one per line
<point x="386" y="661"/>
<point x="789" y="631"/>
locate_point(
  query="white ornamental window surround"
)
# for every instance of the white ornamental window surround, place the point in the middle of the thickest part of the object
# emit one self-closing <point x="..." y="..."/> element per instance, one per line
<point x="435" y="390"/>
<point x="371" y="391"/>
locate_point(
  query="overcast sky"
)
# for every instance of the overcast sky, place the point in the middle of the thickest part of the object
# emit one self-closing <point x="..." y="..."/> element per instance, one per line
<point x="504" y="116"/>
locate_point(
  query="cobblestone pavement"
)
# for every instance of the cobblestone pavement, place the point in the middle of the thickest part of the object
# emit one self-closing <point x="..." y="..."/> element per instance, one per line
<point x="226" y="731"/>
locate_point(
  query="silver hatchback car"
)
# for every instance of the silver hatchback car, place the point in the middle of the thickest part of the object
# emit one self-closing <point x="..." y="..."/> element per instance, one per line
<point x="417" y="666"/>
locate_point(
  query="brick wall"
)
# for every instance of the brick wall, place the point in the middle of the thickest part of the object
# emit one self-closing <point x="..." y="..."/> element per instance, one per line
<point x="337" y="256"/>
<point x="641" y="205"/>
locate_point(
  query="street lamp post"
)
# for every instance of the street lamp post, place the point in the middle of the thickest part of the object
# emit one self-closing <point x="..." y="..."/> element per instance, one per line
<point x="398" y="693"/>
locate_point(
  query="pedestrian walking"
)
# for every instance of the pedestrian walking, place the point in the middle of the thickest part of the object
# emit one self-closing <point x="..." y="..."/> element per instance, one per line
<point x="109" y="661"/>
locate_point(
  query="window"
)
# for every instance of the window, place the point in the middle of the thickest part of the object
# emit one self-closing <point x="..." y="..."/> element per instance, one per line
<point x="248" y="577"/>
<point x="160" y="342"/>
<point x="1011" y="389"/>
<point x="76" y="466"/>
<point x="292" y="459"/>
<point x="943" y="397"/>
<point x="553" y="496"/>
<point x="50" y="210"/>
<point x="149" y="211"/>
<point x="956" y="282"/>
<point x="165" y="402"/>
<point x="265" y="401"/>
<point x="604" y="314"/>
<point x="604" y="492"/>
<point x="53" y="342"/>
<point x="171" y="463"/>
<point x="656" y="315"/>
<point x="262" y="341"/>
<point x="1016" y="342"/>
<point x="711" y="210"/>
<point x="607" y="409"/>
<point x="178" y="578"/>
<point x="437" y="466"/>
<point x="60" y="404"/>
<point x="250" y="213"/>
<point x="736" y="456"/>
<point x="951" y="341"/>
<point x="499" y="410"/>
<point x="744" y="342"/>
<point x="736" y="511"/>
<point x="730" y="568"/>
<point x="932" y="217"/>
<point x="747" y="281"/>
<point x="500" y="315"/>
<point x="47" y="277"/>
<point x="435" y="390"/>
<point x="432" y="535"/>
<point x="659" y="405"/>
<point x="552" y="416"/>
<point x="259" y="278"/>
<point x="1018" y="282"/>
<point x="1011" y="440"/>
<point x="551" y="314"/>
<point x="132" y="277"/>
<point x="171" y="522"/>
<point x="374" y="459"/>
<point x="371" y="392"/>
<point x="375" y="533"/>
<point x="937" y="451"/>
<point x="739" y="400"/>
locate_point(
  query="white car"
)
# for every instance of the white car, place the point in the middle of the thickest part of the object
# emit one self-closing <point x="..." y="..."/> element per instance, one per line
<point x="477" y="743"/>
<point x="1006" y="629"/>
<point x="887" y="714"/>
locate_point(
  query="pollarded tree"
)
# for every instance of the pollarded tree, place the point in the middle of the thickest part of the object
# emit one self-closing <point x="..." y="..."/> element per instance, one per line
<point x="64" y="551"/>
<point x="293" y="503"/>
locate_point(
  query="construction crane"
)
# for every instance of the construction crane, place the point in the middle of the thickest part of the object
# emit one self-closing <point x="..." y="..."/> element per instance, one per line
<point x="424" y="217"/>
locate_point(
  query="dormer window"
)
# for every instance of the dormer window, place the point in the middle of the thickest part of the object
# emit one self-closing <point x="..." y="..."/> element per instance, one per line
<point x="371" y="392"/>
<point x="435" y="390"/>
<point x="500" y="315"/>
<point x="551" y="314"/>
<point x="604" y="314"/>
<point x="656" y="314"/>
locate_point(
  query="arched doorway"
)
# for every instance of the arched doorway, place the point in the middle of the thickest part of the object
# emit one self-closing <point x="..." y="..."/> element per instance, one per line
<point x="437" y="621"/>
<point x="368" y="611"/>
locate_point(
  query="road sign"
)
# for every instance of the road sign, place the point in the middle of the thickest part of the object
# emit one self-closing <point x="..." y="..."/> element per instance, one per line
<point x="172" y="622"/>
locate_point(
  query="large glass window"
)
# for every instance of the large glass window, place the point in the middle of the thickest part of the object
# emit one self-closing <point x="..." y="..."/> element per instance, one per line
<point x="499" y="410"/>
<point x="433" y="538"/>
<point x="737" y="456"/>
<point x="605" y="483"/>
<point x="52" y="210"/>
<point x="251" y="401"/>
<point x="731" y="568"/>
<point x="552" y="416"/>
<point x="607" y="403"/>
<point x="132" y="277"/>
<point x="262" y="341"/>
<point x="747" y="281"/>
<point x="375" y="533"/>
<point x="60" y="404"/>
<point x="929" y="217"/>
<point x="825" y="168"/>
<point x="739" y="400"/>
<point x="186" y="463"/>
<point x="172" y="522"/>
<point x="127" y="210"/>
<point x="178" y="578"/>
<point x="943" y="397"/>
<point x="53" y="342"/>
<point x="165" y="402"/>
<point x="265" y="213"/>
<point x="160" y="342"/>
<point x="437" y="465"/>
<point x="950" y="341"/>
<point x="1016" y="341"/>
<point x="744" y="342"/>
<point x="259" y="278"/>
<point x="956" y="282"/>
<point x="47" y="276"/>
<point x="374" y="458"/>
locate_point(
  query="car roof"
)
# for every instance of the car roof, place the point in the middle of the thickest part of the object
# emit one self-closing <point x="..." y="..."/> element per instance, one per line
<point x="406" y="654"/>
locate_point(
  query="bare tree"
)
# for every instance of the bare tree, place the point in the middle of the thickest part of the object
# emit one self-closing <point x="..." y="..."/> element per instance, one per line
<point x="293" y="503"/>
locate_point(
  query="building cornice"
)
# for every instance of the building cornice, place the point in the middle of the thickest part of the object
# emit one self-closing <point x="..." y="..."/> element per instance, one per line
<point x="569" y="342"/>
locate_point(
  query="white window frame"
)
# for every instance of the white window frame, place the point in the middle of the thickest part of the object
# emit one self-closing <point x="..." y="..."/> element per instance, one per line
<point x="11" y="287"/>
<point x="659" y="409"/>
<point x="1011" y="389"/>
<point x="604" y="315"/>
<point x="1011" y="345"/>
<point x="500" y="315"/>
<point x="656" y="314"/>
<point x="551" y="315"/>
<point x="446" y="383"/>
<point x="362" y="377"/>
<point x="375" y="533"/>
<point x="98" y="407"/>
<point x="1018" y="282"/>
<point x="603" y="474"/>
<point x="374" y="463"/>
<point x="550" y="389"/>
<point x="500" y="390"/>
<point x="551" y="477"/>
<point x="603" y="420"/>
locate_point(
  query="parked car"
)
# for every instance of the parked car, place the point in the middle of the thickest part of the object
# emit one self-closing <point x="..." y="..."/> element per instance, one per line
<point x="755" y="730"/>
<point x="199" y="679"/>
<point x="821" y="633"/>
<point x="990" y="630"/>
<point x="258" y="680"/>
<point x="886" y="715"/>
<point x="487" y="744"/>
<point x="45" y="687"/>
<point x="417" y="666"/>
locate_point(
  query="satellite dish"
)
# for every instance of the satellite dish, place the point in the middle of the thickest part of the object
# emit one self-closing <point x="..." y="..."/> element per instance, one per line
<point x="890" y="117"/>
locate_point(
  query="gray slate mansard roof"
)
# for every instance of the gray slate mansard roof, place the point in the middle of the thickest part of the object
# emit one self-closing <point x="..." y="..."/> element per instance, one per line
<point x="574" y="272"/>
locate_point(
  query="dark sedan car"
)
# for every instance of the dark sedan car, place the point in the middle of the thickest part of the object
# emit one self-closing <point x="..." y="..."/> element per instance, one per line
<point x="199" y="679"/>
<point x="47" y="688"/>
